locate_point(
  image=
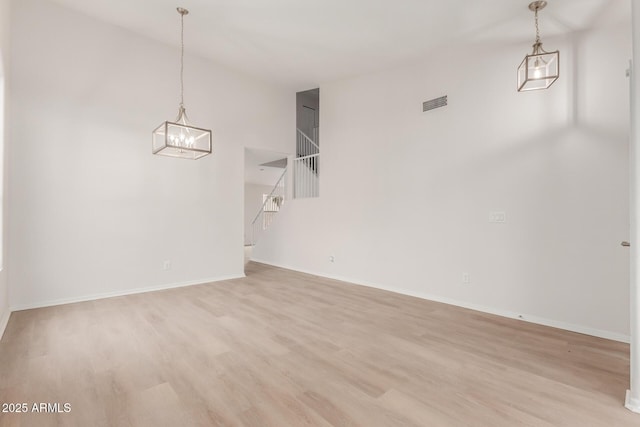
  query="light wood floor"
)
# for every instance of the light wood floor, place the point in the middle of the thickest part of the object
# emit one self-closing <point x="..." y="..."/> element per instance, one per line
<point x="280" y="348"/>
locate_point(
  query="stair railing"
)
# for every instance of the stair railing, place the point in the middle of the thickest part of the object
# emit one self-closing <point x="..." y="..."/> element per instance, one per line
<point x="305" y="146"/>
<point x="269" y="209"/>
<point x="305" y="176"/>
<point x="306" y="166"/>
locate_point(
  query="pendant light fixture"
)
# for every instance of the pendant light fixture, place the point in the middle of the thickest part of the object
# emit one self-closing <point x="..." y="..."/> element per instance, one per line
<point x="540" y="69"/>
<point x="179" y="138"/>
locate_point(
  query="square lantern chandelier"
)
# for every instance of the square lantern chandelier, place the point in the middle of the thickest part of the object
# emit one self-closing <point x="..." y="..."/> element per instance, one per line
<point x="178" y="138"/>
<point x="541" y="68"/>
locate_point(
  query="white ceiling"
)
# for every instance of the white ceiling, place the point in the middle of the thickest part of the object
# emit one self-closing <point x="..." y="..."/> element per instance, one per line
<point x="302" y="43"/>
<point x="254" y="170"/>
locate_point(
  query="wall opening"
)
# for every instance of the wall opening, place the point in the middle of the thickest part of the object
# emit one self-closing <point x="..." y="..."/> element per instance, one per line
<point x="306" y="167"/>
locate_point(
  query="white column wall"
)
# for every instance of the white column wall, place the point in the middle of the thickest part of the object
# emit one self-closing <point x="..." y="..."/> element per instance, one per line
<point x="4" y="144"/>
<point x="633" y="394"/>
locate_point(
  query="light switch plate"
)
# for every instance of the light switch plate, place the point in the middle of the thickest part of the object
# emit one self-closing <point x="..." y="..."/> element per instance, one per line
<point x="497" y="217"/>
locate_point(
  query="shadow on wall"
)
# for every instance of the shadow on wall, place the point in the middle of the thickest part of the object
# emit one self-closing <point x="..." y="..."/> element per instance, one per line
<point x="583" y="153"/>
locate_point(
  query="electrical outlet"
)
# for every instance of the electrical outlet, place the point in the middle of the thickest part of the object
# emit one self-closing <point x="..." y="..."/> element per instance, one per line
<point x="497" y="217"/>
<point x="332" y="258"/>
<point x="465" y="278"/>
<point x="166" y="265"/>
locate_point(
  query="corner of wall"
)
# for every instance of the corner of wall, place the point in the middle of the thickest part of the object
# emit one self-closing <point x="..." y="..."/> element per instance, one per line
<point x="5" y="312"/>
<point x="4" y="320"/>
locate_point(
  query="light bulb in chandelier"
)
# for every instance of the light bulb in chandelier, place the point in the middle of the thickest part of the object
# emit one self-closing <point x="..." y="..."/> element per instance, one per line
<point x="538" y="68"/>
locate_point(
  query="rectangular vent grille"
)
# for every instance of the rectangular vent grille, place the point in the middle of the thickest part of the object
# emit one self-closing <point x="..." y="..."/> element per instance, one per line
<point x="434" y="103"/>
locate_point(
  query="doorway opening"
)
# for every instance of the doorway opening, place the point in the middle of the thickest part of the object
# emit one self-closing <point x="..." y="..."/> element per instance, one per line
<point x="264" y="193"/>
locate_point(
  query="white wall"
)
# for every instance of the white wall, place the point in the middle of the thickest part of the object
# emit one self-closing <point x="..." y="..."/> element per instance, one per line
<point x="252" y="204"/>
<point x="406" y="195"/>
<point x="92" y="212"/>
<point x="4" y="134"/>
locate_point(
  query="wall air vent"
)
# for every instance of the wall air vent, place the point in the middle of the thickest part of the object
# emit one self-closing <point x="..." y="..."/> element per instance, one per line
<point x="434" y="103"/>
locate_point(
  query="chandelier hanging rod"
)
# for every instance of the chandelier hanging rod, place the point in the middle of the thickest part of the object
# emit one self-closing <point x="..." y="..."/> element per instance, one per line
<point x="182" y="11"/>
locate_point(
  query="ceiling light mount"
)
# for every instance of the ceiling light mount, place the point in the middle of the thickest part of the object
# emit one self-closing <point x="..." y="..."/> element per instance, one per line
<point x="533" y="6"/>
<point x="540" y="69"/>
<point x="178" y="138"/>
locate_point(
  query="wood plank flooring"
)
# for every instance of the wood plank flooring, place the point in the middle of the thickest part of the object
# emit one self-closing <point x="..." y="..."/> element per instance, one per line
<point x="280" y="348"/>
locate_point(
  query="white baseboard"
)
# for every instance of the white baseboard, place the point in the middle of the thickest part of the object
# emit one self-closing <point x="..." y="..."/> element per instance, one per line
<point x="121" y="293"/>
<point x="4" y="320"/>
<point x="498" y="312"/>
<point x="632" y="403"/>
